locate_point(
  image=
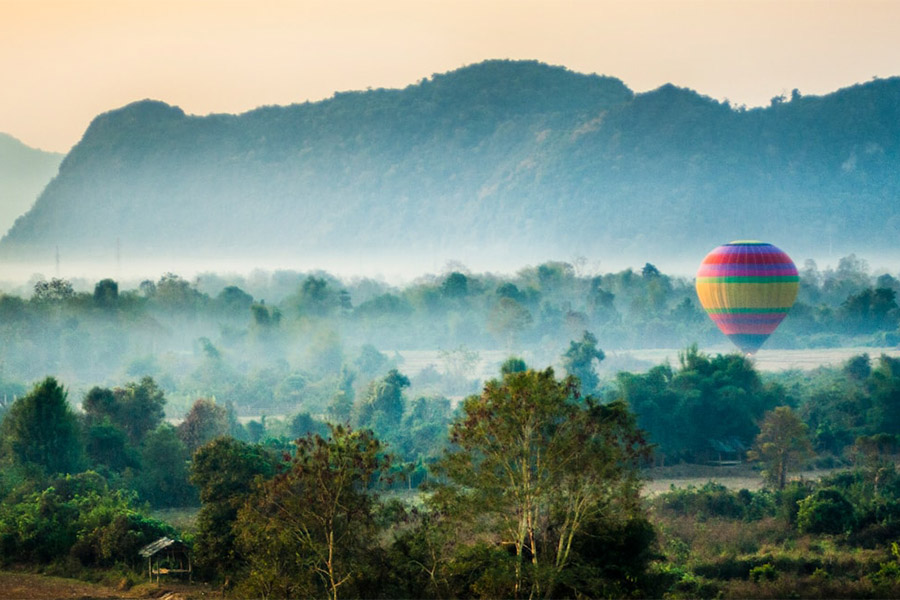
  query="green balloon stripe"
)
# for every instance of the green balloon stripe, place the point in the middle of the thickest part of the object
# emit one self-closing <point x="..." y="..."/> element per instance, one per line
<point x="758" y="279"/>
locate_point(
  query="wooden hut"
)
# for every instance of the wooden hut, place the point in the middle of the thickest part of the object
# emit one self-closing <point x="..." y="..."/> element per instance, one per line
<point x="166" y="556"/>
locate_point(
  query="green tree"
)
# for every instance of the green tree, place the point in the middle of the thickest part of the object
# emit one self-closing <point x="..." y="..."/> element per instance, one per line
<point x="106" y="293"/>
<point x="383" y="406"/>
<point x="310" y="531"/>
<point x="707" y="398"/>
<point x="826" y="511"/>
<point x="41" y="429"/>
<point x="163" y="479"/>
<point x="513" y="364"/>
<point x="223" y="471"/>
<point x="54" y="291"/>
<point x="537" y="462"/>
<point x="107" y="445"/>
<point x="883" y="385"/>
<point x="783" y="442"/>
<point x="137" y="408"/>
<point x="579" y="361"/>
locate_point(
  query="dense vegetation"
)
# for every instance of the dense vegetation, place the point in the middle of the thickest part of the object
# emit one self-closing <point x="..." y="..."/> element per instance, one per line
<point x="287" y="342"/>
<point x="513" y="159"/>
<point x="532" y="489"/>
<point x="294" y="423"/>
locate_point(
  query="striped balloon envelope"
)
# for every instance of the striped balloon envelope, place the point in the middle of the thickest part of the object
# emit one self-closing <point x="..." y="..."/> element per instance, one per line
<point x="747" y="288"/>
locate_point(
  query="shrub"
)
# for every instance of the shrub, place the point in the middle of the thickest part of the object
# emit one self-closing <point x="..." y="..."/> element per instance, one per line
<point x="765" y="572"/>
<point x="826" y="511"/>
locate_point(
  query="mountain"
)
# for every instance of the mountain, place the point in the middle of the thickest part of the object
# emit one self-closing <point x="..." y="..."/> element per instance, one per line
<point x="504" y="161"/>
<point x="24" y="172"/>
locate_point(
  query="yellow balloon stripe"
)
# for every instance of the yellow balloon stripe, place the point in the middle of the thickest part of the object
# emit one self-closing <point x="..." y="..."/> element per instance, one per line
<point x="747" y="295"/>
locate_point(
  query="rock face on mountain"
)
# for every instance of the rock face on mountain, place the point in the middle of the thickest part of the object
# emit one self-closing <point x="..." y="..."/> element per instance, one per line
<point x="24" y="172"/>
<point x="501" y="158"/>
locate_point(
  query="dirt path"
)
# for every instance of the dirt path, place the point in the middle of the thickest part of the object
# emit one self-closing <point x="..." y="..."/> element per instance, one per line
<point x="28" y="586"/>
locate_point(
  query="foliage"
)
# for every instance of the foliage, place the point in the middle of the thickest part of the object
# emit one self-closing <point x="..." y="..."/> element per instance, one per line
<point x="204" y="422"/>
<point x="137" y="409"/>
<point x="539" y="463"/>
<point x="383" y="406"/>
<point x="707" y="400"/>
<point x="163" y="478"/>
<point x="579" y="359"/>
<point x="826" y="511"/>
<point x="309" y="530"/>
<point x="783" y="442"/>
<point x="40" y="429"/>
<point x="224" y="471"/>
<point x="77" y="516"/>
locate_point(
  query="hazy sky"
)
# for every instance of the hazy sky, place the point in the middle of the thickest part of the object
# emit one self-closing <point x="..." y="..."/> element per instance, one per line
<point x="62" y="62"/>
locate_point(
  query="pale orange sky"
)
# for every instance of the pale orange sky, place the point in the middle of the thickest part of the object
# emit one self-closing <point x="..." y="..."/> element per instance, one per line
<point x="62" y="62"/>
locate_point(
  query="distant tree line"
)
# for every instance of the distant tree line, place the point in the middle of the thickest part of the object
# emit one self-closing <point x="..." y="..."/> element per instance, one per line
<point x="318" y="336"/>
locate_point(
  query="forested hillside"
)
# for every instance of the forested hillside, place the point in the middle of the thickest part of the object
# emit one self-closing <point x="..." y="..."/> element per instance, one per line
<point x="503" y="159"/>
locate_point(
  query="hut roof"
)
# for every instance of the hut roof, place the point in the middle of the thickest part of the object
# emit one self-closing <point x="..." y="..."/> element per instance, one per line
<point x="159" y="545"/>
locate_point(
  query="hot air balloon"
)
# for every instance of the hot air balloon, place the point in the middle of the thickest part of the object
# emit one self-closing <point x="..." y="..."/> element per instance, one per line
<point x="747" y="288"/>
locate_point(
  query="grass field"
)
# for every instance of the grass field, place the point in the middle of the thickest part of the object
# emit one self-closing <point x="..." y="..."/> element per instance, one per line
<point x="737" y="477"/>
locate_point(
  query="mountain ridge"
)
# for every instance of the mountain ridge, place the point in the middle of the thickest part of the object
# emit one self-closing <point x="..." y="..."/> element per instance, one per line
<point x="24" y="171"/>
<point x="511" y="157"/>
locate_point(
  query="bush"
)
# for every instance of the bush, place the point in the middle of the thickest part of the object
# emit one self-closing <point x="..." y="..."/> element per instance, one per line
<point x="765" y="572"/>
<point x="826" y="511"/>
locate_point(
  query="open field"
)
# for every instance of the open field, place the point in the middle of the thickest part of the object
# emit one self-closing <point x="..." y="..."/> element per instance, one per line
<point x="736" y="477"/>
<point x="771" y="360"/>
<point x="489" y="361"/>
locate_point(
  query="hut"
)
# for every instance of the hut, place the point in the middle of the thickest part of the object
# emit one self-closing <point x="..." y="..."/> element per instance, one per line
<point x="166" y="556"/>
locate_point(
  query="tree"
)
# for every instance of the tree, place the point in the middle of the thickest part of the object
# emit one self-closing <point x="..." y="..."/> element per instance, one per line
<point x="384" y="404"/>
<point x="55" y="291"/>
<point x="40" y="429"/>
<point x="537" y="462"/>
<point x="309" y="531"/>
<point x="137" y="409"/>
<point x="163" y="479"/>
<point x="707" y="398"/>
<point x="107" y="445"/>
<point x="513" y="364"/>
<point x="783" y="442"/>
<point x="106" y="293"/>
<point x="303" y="424"/>
<point x="579" y="361"/>
<point x="224" y="471"/>
<point x="205" y="421"/>
<point x="456" y="285"/>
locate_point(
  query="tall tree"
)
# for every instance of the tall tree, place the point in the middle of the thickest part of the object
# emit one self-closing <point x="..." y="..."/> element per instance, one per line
<point x="579" y="361"/>
<point x="383" y="406"/>
<point x="539" y="462"/>
<point x="40" y="429"/>
<point x="783" y="441"/>
<point x="223" y="471"/>
<point x="308" y="531"/>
